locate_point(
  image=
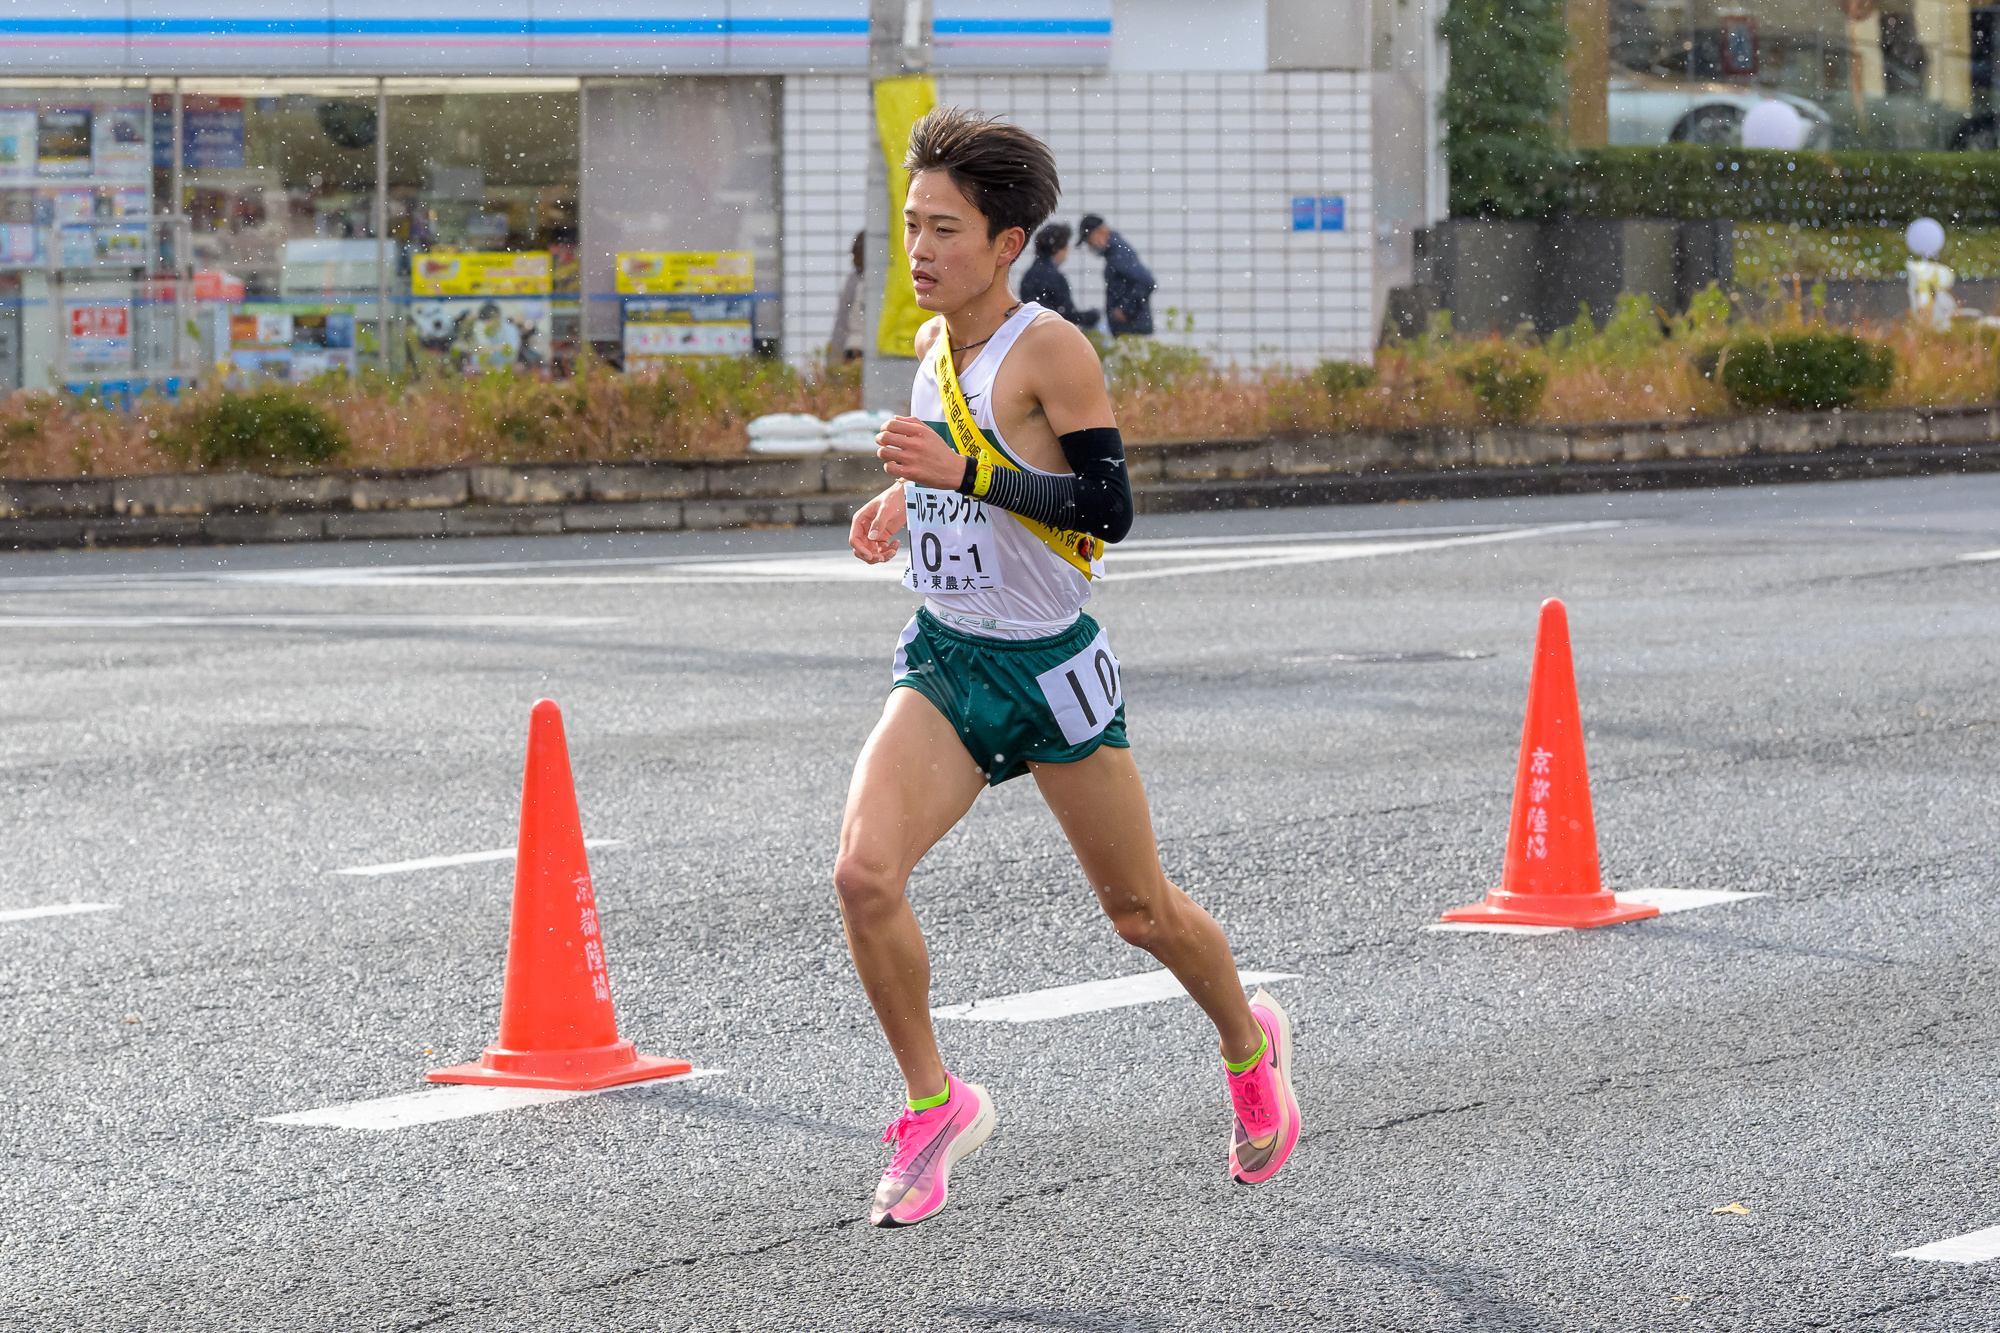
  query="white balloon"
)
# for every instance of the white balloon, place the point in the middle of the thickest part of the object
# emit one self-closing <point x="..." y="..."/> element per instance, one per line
<point x="1925" y="238"/>
<point x="1774" y="124"/>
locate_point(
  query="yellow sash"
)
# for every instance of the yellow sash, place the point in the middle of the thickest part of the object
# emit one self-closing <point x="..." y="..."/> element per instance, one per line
<point x="1080" y="549"/>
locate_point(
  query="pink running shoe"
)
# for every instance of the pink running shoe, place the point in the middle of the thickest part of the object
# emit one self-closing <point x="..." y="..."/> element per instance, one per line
<point x="928" y="1145"/>
<point x="1266" y="1110"/>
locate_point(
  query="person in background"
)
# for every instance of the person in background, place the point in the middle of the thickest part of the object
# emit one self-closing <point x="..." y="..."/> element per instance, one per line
<point x="1044" y="283"/>
<point x="1128" y="284"/>
<point x="846" y="343"/>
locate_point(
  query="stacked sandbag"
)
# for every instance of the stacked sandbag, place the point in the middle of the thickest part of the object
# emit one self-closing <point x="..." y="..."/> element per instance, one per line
<point x="854" y="432"/>
<point x="787" y="433"/>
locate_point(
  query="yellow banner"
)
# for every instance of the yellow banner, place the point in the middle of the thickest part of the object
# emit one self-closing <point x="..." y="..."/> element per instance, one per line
<point x="678" y="272"/>
<point x="481" y="273"/>
<point x="899" y="104"/>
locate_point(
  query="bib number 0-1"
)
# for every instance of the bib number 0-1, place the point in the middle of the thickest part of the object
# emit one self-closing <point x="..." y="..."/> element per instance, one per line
<point x="1084" y="692"/>
<point x="951" y="542"/>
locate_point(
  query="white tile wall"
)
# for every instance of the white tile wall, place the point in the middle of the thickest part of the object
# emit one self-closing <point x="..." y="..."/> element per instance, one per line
<point x="1196" y="170"/>
<point x="827" y="134"/>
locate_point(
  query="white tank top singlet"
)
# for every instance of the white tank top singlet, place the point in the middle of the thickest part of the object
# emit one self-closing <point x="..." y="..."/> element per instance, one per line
<point x="1036" y="592"/>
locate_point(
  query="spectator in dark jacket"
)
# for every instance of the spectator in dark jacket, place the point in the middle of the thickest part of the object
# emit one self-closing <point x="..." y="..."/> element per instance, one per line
<point x="1128" y="284"/>
<point x="1044" y="281"/>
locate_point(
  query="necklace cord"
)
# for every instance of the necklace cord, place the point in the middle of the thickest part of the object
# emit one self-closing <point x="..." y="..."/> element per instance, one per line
<point x="966" y="347"/>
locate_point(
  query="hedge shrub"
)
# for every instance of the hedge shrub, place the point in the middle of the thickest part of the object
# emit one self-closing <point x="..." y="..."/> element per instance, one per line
<point x="1506" y="384"/>
<point x="1817" y="189"/>
<point x="271" y="425"/>
<point x="1809" y="372"/>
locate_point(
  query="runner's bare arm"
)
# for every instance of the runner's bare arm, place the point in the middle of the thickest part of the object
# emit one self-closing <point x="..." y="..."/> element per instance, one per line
<point x="872" y="535"/>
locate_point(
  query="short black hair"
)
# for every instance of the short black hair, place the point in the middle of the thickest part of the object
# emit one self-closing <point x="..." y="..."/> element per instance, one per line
<point x="1051" y="238"/>
<point x="1091" y="222"/>
<point x="1005" y="172"/>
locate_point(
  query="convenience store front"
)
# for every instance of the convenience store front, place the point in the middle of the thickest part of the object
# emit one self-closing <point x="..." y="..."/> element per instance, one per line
<point x="305" y="186"/>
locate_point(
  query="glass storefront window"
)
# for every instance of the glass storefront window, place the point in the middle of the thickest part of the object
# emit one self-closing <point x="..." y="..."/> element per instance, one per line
<point x="1904" y="74"/>
<point x="80" y="239"/>
<point x="268" y="163"/>
<point x="486" y="167"/>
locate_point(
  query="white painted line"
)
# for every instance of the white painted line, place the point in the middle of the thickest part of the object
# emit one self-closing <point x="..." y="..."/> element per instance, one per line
<point x="1981" y="555"/>
<point x="53" y="909"/>
<point x="1975" y="1247"/>
<point x="1226" y="560"/>
<point x="1180" y="556"/>
<point x="1036" y="1006"/>
<point x="448" y="1101"/>
<point x="461" y="859"/>
<point x="1668" y="901"/>
<point x="291" y="621"/>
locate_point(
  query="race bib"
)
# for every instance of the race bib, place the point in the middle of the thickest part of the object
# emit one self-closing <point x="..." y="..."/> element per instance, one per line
<point x="1084" y="692"/>
<point x="951" y="542"/>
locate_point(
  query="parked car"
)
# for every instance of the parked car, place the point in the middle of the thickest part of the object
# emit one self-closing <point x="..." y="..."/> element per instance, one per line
<point x="1705" y="113"/>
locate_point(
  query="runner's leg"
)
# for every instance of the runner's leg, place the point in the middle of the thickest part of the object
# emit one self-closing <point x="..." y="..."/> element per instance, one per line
<point x="1101" y="804"/>
<point x="912" y="783"/>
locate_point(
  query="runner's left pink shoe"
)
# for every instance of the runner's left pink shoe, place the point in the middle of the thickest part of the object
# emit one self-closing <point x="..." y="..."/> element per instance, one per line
<point x="928" y="1144"/>
<point x="1266" y="1110"/>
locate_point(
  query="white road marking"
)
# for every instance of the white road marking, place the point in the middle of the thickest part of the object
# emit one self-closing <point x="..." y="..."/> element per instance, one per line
<point x="448" y="1101"/>
<point x="1089" y="997"/>
<point x="1223" y="560"/>
<point x="1971" y="1247"/>
<point x="281" y="620"/>
<point x="54" y="909"/>
<point x="1668" y="901"/>
<point x="1975" y="1247"/>
<point x="1178" y="555"/>
<point x="460" y="859"/>
<point x="1981" y="555"/>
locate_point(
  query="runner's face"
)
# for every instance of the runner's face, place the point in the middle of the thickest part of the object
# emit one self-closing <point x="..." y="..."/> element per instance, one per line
<point x="952" y="260"/>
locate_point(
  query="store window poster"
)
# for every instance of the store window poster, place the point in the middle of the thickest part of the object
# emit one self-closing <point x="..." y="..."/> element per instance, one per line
<point x="212" y="137"/>
<point x="73" y="206"/>
<point x="17" y="144"/>
<point x="17" y="246"/>
<point x="119" y="146"/>
<point x="62" y="141"/>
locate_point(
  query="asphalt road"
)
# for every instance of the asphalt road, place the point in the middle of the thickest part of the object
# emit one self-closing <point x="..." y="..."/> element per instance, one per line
<point x="1786" y="692"/>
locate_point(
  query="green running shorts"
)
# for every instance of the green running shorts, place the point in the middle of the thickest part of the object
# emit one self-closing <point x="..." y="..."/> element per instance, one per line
<point x="1052" y="700"/>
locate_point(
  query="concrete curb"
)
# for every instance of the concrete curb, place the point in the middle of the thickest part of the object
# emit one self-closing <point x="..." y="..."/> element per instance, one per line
<point x="672" y="495"/>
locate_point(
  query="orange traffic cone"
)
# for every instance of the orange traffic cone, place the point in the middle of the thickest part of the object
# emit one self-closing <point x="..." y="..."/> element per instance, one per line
<point x="556" y="1025"/>
<point x="1550" y="877"/>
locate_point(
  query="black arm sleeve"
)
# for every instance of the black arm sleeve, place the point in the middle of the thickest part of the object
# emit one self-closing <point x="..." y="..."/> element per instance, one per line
<point x="1097" y="500"/>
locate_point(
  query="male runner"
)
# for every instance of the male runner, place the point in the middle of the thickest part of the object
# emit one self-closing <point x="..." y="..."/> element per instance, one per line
<point x="1000" y="673"/>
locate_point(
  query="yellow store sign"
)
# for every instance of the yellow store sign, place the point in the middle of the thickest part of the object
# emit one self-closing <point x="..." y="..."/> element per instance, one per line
<point x="481" y="273"/>
<point x="679" y="272"/>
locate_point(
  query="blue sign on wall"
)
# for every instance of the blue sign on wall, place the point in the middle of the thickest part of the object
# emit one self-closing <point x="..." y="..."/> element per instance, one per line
<point x="1326" y="212"/>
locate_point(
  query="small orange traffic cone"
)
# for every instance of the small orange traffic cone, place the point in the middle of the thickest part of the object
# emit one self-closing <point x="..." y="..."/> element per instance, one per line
<point x="1550" y="878"/>
<point x="557" y="1029"/>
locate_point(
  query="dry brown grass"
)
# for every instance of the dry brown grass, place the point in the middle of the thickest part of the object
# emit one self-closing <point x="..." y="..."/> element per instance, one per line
<point x="1633" y="369"/>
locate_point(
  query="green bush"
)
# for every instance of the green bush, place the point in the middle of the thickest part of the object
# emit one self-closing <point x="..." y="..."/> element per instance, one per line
<point x="1147" y="363"/>
<point x="1508" y="386"/>
<point x="1817" y="189"/>
<point x="1809" y="372"/>
<point x="1502" y="102"/>
<point x="1342" y="378"/>
<point x="271" y="425"/>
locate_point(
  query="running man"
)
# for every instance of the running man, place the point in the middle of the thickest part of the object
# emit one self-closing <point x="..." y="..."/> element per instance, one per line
<point x="1000" y="673"/>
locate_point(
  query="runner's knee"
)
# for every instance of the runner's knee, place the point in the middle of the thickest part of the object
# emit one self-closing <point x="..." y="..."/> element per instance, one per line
<point x="1137" y="923"/>
<point x="868" y="891"/>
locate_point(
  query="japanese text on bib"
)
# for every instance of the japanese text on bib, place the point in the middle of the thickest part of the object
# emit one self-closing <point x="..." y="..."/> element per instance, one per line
<point x="951" y="542"/>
